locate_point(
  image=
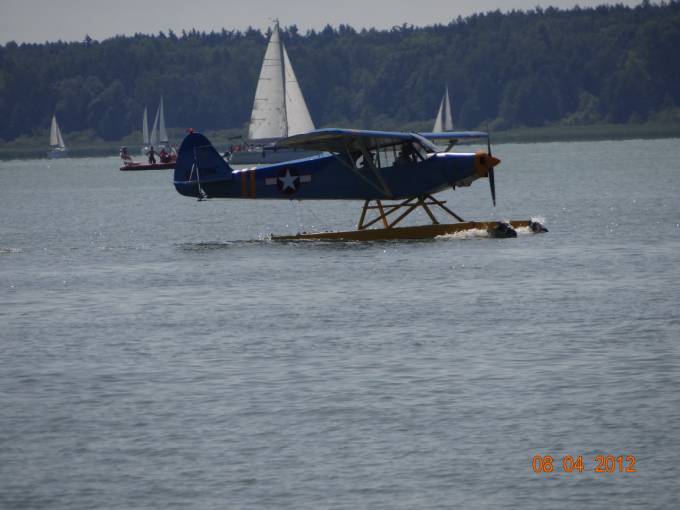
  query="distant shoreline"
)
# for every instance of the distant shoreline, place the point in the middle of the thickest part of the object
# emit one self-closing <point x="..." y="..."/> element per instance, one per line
<point x="594" y="132"/>
<point x="32" y="148"/>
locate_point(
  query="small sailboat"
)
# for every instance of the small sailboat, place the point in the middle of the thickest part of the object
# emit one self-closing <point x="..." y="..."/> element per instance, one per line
<point x="57" y="146"/>
<point x="159" y="135"/>
<point x="279" y="109"/>
<point x="444" y="120"/>
<point x="156" y="140"/>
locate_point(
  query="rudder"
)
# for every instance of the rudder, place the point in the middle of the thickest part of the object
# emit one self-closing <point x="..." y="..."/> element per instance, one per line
<point x="198" y="162"/>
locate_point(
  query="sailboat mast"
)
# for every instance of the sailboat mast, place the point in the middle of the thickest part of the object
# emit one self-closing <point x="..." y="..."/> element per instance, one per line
<point x="163" y="135"/>
<point x="283" y="77"/>
<point x="448" y="120"/>
<point x="154" y="139"/>
<point x="145" y="128"/>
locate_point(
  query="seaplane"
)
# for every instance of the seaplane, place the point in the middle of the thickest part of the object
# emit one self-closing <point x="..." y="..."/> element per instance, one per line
<point x="393" y="173"/>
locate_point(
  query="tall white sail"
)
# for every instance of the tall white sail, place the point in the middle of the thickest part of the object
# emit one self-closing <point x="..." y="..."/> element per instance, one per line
<point x="268" y="119"/>
<point x="60" y="140"/>
<point x="54" y="129"/>
<point x="444" y="120"/>
<point x="56" y="140"/>
<point x="162" y="134"/>
<point x="154" y="139"/>
<point x="297" y="114"/>
<point x="57" y="145"/>
<point x="145" y="128"/>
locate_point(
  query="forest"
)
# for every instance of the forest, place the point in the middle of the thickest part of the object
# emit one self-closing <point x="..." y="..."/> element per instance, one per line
<point x="582" y="66"/>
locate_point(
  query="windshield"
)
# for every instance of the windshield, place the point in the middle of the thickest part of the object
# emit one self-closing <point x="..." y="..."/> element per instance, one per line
<point x="426" y="144"/>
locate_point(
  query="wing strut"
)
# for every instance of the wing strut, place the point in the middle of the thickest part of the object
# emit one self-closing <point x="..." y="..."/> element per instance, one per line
<point x="367" y="157"/>
<point x="382" y="189"/>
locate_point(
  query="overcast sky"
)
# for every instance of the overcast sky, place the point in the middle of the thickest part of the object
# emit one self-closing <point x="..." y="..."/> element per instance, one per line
<point x="71" y="20"/>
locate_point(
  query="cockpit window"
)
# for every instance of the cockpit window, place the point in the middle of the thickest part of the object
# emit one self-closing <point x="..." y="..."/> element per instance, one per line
<point x="398" y="153"/>
<point x="426" y="144"/>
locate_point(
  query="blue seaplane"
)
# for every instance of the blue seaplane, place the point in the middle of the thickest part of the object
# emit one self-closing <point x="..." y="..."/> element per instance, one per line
<point x="393" y="173"/>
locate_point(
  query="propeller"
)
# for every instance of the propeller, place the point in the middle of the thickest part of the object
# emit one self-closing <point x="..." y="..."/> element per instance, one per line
<point x="492" y="181"/>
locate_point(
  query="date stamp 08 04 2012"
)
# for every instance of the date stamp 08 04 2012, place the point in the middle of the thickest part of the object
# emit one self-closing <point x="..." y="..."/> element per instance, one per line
<point x="602" y="464"/>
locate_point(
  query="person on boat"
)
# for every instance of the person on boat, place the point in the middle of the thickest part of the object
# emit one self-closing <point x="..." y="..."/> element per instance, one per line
<point x="152" y="156"/>
<point x="173" y="152"/>
<point x="125" y="156"/>
<point x="164" y="156"/>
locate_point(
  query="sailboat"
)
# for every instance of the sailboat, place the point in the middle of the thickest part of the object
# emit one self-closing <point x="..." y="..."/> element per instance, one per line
<point x="57" y="146"/>
<point x="279" y="109"/>
<point x="158" y="139"/>
<point x="444" y="120"/>
<point x="159" y="136"/>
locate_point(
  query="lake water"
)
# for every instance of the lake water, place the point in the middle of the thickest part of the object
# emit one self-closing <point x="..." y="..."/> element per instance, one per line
<point x="159" y="352"/>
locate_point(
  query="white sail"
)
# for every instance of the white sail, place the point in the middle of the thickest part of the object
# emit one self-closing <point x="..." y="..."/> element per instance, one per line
<point x="54" y="139"/>
<point x="60" y="140"/>
<point x="154" y="138"/>
<point x="297" y="115"/>
<point x="268" y="119"/>
<point x="145" y="128"/>
<point x="444" y="120"/>
<point x="162" y="134"/>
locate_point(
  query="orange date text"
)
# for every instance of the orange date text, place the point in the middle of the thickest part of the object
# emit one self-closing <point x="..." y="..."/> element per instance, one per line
<point x="569" y="464"/>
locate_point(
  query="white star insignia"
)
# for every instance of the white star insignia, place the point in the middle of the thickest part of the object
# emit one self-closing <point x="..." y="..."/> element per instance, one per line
<point x="288" y="181"/>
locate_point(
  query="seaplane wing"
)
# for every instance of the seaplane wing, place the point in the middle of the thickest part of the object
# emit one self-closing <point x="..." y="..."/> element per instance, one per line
<point x="453" y="137"/>
<point x="342" y="141"/>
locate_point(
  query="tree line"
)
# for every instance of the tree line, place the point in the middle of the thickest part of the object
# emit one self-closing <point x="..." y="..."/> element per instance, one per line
<point x="521" y="68"/>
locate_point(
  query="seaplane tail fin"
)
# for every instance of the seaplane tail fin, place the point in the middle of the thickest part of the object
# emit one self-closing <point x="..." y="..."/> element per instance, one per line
<point x="198" y="162"/>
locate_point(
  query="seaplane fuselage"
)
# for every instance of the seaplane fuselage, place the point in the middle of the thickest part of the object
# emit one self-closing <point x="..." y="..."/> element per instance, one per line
<point x="201" y="172"/>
